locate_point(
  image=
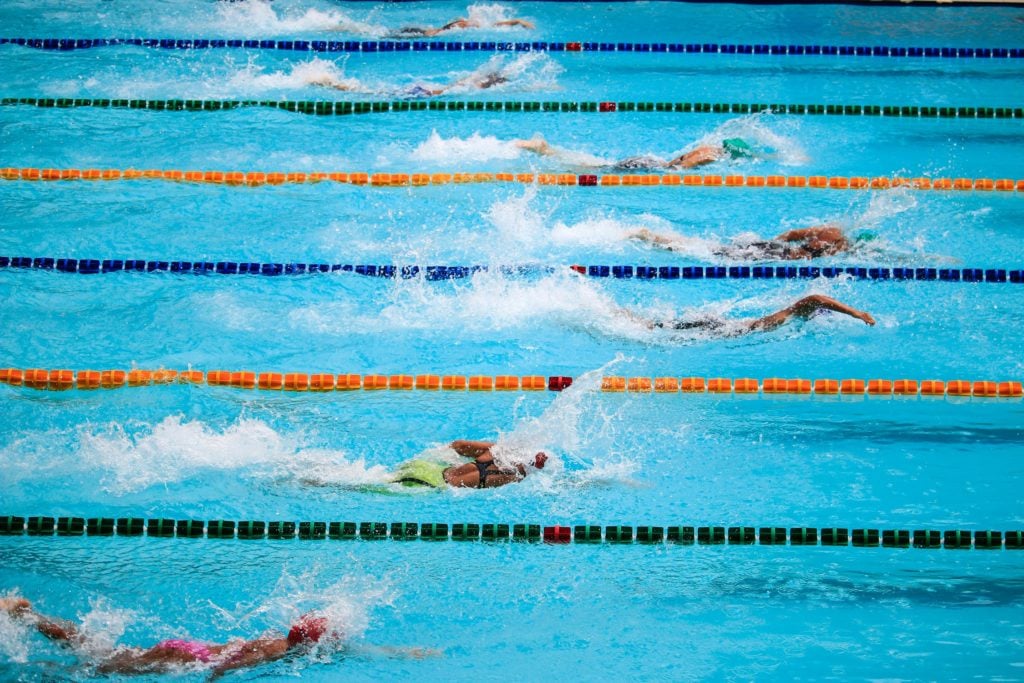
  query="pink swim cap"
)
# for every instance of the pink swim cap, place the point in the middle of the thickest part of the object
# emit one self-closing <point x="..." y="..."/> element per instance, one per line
<point x="309" y="628"/>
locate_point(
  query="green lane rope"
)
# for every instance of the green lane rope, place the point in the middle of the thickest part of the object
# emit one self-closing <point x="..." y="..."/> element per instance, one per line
<point x="615" y="534"/>
<point x="337" y="108"/>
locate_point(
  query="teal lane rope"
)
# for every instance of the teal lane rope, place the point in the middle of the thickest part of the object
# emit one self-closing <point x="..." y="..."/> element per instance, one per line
<point x="684" y="535"/>
<point x="338" y="108"/>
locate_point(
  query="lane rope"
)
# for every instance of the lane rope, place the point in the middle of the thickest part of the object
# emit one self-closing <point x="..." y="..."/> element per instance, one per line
<point x="638" y="272"/>
<point x="107" y="527"/>
<point x="377" y="46"/>
<point x="326" y="107"/>
<point x="258" y="178"/>
<point x="61" y="380"/>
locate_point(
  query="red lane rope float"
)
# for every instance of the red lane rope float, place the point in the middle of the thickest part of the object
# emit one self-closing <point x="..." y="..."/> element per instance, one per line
<point x="61" y="379"/>
<point x="258" y="178"/>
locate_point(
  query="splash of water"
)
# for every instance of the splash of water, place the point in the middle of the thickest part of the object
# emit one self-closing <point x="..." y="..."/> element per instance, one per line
<point x="345" y="602"/>
<point x="261" y="18"/>
<point x="755" y="130"/>
<point x="530" y="71"/>
<point x="175" y="449"/>
<point x="252" y="78"/>
<point x="488" y="15"/>
<point x="476" y="147"/>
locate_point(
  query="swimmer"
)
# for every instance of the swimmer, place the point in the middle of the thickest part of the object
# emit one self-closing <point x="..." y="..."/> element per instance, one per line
<point x="792" y="245"/>
<point x="482" y="473"/>
<point x="803" y="309"/>
<point x="731" y="148"/>
<point x="457" y="24"/>
<point x="475" y="81"/>
<point x="167" y="655"/>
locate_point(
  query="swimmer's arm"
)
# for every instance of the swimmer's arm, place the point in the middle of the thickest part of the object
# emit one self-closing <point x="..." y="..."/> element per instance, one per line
<point x="397" y="652"/>
<point x="471" y="449"/>
<point x="652" y="238"/>
<point x="251" y="653"/>
<point x="461" y="22"/>
<point x="536" y="145"/>
<point x="697" y="157"/>
<point x="328" y="82"/>
<point x="636" y="318"/>
<point x="515" y="22"/>
<point x="829" y="233"/>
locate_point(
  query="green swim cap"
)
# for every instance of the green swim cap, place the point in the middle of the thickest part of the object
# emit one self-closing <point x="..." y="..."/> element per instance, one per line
<point x="737" y="148"/>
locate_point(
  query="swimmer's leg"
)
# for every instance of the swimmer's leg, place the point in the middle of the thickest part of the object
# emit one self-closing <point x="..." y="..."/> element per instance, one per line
<point x="805" y="308"/>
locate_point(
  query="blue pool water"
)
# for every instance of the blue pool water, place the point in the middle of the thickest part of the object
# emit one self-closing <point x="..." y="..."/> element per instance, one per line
<point x="512" y="610"/>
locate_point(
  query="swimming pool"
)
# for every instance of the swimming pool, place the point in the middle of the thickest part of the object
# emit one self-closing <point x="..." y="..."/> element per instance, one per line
<point x="505" y="609"/>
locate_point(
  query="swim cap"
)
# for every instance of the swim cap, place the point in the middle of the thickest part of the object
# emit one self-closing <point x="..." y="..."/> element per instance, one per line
<point x="308" y="629"/>
<point x="737" y="148"/>
<point x="540" y="459"/>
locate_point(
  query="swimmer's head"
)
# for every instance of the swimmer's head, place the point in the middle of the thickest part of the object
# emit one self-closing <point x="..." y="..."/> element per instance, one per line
<point x="307" y="630"/>
<point x="540" y="459"/>
<point x="865" y="236"/>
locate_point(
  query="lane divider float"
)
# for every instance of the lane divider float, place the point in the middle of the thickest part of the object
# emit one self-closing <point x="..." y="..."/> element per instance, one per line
<point x="337" y="108"/>
<point x="106" y="527"/>
<point x="375" y="46"/>
<point x="639" y="272"/>
<point x="60" y="380"/>
<point x="254" y="178"/>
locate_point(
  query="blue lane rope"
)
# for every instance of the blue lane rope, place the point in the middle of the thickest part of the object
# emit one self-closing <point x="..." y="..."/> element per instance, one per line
<point x="375" y="46"/>
<point x="587" y="533"/>
<point x="96" y="266"/>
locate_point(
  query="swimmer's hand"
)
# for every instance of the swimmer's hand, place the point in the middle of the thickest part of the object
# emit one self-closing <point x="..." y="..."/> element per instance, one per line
<point x="865" y="316"/>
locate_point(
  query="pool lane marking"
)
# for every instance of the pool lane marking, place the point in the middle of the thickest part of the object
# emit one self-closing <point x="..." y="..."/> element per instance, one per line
<point x="340" y="108"/>
<point x="390" y="46"/>
<point x="455" y="272"/>
<point x="259" y="178"/>
<point x="63" y="379"/>
<point x="100" y="527"/>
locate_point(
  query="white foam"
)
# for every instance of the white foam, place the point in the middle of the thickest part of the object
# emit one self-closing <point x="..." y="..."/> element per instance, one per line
<point x="252" y="78"/>
<point x="15" y="636"/>
<point x="261" y="18"/>
<point x="176" y="449"/>
<point x="476" y="147"/>
<point x="488" y="15"/>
